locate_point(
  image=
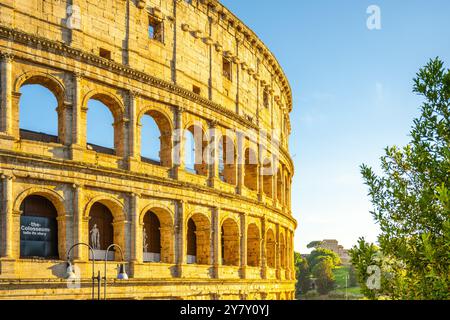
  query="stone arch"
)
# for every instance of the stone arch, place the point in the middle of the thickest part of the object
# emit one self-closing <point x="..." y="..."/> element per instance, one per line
<point x="118" y="222"/>
<point x="47" y="80"/>
<point x="270" y="248"/>
<point x="198" y="234"/>
<point x="113" y="204"/>
<point x="230" y="241"/>
<point x="201" y="139"/>
<point x="53" y="196"/>
<point x="253" y="245"/>
<point x="164" y="124"/>
<point x="165" y="218"/>
<point x="117" y="109"/>
<point x="57" y="88"/>
<point x="58" y="203"/>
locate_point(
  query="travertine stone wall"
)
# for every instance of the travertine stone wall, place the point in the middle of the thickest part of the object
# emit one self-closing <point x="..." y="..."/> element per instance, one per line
<point x="91" y="49"/>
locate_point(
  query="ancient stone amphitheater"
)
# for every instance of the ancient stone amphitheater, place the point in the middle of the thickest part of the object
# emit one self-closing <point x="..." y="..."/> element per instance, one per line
<point x="217" y="227"/>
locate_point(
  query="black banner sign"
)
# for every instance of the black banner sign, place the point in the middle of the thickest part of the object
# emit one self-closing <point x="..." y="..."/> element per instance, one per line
<point x="38" y="237"/>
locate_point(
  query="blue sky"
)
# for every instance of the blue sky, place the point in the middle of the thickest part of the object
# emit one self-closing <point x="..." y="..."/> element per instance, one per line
<point x="352" y="91"/>
<point x="353" y="96"/>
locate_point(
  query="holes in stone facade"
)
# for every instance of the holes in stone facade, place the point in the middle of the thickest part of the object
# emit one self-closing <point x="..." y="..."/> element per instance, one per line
<point x="196" y="89"/>
<point x="227" y="68"/>
<point x="104" y="53"/>
<point x="155" y="29"/>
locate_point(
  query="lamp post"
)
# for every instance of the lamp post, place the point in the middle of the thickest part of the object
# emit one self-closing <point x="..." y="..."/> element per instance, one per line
<point x="122" y="275"/>
<point x="71" y="273"/>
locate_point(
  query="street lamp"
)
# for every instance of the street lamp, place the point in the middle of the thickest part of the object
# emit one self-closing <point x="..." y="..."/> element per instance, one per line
<point x="71" y="272"/>
<point x="122" y="275"/>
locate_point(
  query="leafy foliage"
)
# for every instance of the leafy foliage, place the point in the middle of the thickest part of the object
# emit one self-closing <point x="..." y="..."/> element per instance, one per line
<point x="302" y="274"/>
<point x="411" y="199"/>
<point x="323" y="272"/>
<point x="319" y="254"/>
<point x="314" y="244"/>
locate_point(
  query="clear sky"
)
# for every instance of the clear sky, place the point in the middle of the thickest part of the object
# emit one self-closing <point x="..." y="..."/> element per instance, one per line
<point x="352" y="91"/>
<point x="353" y="96"/>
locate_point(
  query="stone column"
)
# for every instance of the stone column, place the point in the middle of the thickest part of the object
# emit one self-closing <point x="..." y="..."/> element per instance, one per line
<point x="133" y="130"/>
<point x="136" y="230"/>
<point x="180" y="245"/>
<point x="263" y="248"/>
<point x="216" y="233"/>
<point x="240" y="165"/>
<point x="277" y="252"/>
<point x="291" y="254"/>
<point x="178" y="144"/>
<point x="79" y="114"/>
<point x="7" y="216"/>
<point x="80" y="231"/>
<point x="260" y="181"/>
<point x="243" y="243"/>
<point x="6" y="124"/>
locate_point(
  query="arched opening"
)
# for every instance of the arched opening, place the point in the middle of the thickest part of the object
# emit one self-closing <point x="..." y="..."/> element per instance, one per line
<point x="270" y="249"/>
<point x="267" y="178"/>
<point x="230" y="243"/>
<point x="227" y="160"/>
<point x="279" y="187"/>
<point x="158" y="236"/>
<point x="38" y="116"/>
<point x="101" y="230"/>
<point x="282" y="251"/>
<point x="195" y="145"/>
<point x="152" y="238"/>
<point x="251" y="170"/>
<point x="38" y="228"/>
<point x="156" y="139"/>
<point x="253" y="246"/>
<point x="191" y="242"/>
<point x="104" y="125"/>
<point x="198" y="240"/>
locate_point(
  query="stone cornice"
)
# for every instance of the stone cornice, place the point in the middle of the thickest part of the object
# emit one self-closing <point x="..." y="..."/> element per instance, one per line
<point x="125" y="174"/>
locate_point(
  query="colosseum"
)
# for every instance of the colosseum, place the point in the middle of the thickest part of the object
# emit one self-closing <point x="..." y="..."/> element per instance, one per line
<point x="208" y="218"/>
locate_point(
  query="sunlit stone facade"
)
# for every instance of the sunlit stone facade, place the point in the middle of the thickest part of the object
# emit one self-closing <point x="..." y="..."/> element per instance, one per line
<point x="220" y="230"/>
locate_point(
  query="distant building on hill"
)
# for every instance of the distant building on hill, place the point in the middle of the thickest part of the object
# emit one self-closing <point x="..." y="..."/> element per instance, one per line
<point x="333" y="245"/>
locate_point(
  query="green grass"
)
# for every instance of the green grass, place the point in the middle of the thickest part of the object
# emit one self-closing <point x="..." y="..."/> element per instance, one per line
<point x="340" y="273"/>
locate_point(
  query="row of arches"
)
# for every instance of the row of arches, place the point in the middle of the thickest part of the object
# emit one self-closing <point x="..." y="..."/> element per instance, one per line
<point x="41" y="118"/>
<point x="39" y="212"/>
